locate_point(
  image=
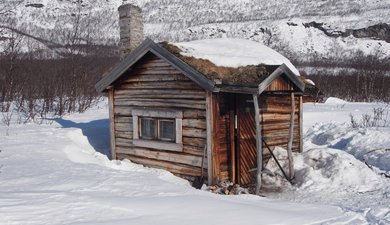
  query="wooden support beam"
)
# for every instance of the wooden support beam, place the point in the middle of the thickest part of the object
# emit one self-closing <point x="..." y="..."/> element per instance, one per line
<point x="291" y="138"/>
<point x="259" y="148"/>
<point x="300" y="124"/>
<point x="112" y="122"/>
<point x="215" y="141"/>
<point x="210" y="127"/>
<point x="232" y="142"/>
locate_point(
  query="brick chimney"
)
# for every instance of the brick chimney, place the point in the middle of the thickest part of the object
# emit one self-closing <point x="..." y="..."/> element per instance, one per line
<point x="131" y="28"/>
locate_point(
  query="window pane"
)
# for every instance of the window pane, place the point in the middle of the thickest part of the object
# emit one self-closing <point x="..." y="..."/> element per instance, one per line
<point x="148" y="128"/>
<point x="167" y="130"/>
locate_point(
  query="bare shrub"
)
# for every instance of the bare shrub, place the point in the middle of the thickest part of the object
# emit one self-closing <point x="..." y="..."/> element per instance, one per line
<point x="379" y="118"/>
<point x="6" y="118"/>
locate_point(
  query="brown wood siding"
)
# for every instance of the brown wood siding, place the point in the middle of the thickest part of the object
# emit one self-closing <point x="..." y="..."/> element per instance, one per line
<point x="280" y="84"/>
<point x="223" y="137"/>
<point x="153" y="83"/>
<point x="275" y="112"/>
<point x="247" y="142"/>
<point x="275" y="122"/>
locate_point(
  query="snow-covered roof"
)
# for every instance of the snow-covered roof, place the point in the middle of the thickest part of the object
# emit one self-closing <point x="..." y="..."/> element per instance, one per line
<point x="215" y="64"/>
<point x="234" y="53"/>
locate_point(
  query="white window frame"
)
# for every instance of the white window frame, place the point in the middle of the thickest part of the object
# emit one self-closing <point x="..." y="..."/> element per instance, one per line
<point x="159" y="114"/>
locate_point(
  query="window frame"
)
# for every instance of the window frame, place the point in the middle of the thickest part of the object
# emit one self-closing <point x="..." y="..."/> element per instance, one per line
<point x="158" y="114"/>
<point x="159" y="136"/>
<point x="157" y="129"/>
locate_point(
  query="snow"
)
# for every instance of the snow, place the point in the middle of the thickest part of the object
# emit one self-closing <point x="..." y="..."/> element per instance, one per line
<point x="334" y="101"/>
<point x="234" y="52"/>
<point x="310" y="81"/>
<point x="58" y="173"/>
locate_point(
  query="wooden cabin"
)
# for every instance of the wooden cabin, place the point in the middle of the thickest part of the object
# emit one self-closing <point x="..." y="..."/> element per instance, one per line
<point x="171" y="111"/>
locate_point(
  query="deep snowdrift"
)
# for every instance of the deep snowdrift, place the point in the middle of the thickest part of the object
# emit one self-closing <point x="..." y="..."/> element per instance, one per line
<point x="57" y="173"/>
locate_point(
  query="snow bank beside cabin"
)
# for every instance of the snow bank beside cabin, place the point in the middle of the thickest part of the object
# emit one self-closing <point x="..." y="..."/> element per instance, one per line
<point x="370" y="145"/>
<point x="232" y="52"/>
<point x="340" y="165"/>
<point x="51" y="174"/>
<point x="333" y="129"/>
<point x="326" y="170"/>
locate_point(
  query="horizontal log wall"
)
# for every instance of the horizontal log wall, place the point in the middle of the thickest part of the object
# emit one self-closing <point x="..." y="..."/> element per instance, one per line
<point x="275" y="112"/>
<point x="153" y="83"/>
<point x="280" y="84"/>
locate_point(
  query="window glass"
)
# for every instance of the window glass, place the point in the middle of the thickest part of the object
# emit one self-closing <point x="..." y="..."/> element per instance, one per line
<point x="167" y="130"/>
<point x="148" y="128"/>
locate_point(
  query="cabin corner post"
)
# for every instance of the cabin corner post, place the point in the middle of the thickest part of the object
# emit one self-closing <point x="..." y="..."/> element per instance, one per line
<point x="291" y="137"/>
<point x="112" y="122"/>
<point x="209" y="141"/>
<point x="300" y="124"/>
<point x="259" y="147"/>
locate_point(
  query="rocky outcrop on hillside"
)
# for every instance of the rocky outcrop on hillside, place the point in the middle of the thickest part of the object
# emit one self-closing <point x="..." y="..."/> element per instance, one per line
<point x="379" y="31"/>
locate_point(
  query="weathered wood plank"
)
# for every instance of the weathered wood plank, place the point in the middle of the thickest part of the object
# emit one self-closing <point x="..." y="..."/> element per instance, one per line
<point x="172" y="157"/>
<point x="194" y="114"/>
<point x="215" y="144"/>
<point x="179" y="130"/>
<point x="300" y="124"/>
<point x="259" y="148"/>
<point x="209" y="140"/>
<point x="172" y="167"/>
<point x="162" y="104"/>
<point x="187" y="113"/>
<point x="194" y="123"/>
<point x="186" y="85"/>
<point x="193" y="150"/>
<point x="281" y="142"/>
<point x="131" y="101"/>
<point x="123" y="119"/>
<point x="123" y="111"/>
<point x="125" y="93"/>
<point x="111" y="111"/>
<point x="154" y="63"/>
<point x="194" y="132"/>
<point x="121" y="134"/>
<point x="158" y="145"/>
<point x="123" y="142"/>
<point x="161" y="96"/>
<point x="275" y="117"/>
<point x="290" y="138"/>
<point x="126" y="127"/>
<point x="160" y="113"/>
<point x="194" y="141"/>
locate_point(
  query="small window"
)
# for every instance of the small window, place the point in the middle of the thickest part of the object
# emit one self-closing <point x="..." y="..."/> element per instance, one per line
<point x="148" y="128"/>
<point x="166" y="130"/>
<point x="157" y="129"/>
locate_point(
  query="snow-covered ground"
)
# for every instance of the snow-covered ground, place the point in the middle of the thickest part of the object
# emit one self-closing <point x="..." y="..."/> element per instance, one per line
<point x="57" y="173"/>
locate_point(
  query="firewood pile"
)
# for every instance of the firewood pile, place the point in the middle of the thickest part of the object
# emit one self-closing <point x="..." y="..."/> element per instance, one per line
<point x="226" y="188"/>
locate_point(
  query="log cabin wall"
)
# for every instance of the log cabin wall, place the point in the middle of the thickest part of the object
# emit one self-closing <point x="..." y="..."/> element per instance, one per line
<point x="275" y="114"/>
<point x="275" y="107"/>
<point x="155" y="84"/>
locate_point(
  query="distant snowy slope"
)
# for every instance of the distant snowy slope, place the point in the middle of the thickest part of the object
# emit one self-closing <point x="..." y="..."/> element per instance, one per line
<point x="347" y="25"/>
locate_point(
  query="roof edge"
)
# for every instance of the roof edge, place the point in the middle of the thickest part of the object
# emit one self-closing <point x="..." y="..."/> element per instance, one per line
<point x="146" y="46"/>
<point x="282" y="69"/>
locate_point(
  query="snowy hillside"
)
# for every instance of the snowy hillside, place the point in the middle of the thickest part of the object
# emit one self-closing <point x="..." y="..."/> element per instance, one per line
<point x="285" y="25"/>
<point x="57" y="173"/>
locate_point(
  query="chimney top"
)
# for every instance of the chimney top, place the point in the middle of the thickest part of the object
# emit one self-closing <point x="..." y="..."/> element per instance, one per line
<point x="131" y="28"/>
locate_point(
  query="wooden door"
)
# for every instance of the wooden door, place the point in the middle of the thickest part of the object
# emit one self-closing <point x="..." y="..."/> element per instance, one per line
<point x="246" y="133"/>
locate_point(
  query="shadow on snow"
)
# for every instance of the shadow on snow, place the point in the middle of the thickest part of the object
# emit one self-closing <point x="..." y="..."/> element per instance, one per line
<point x="96" y="131"/>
